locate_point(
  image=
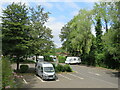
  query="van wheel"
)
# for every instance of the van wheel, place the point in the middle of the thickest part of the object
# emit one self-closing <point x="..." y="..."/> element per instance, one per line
<point x="56" y="77"/>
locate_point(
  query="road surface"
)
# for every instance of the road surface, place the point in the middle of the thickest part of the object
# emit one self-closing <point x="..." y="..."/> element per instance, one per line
<point x="82" y="77"/>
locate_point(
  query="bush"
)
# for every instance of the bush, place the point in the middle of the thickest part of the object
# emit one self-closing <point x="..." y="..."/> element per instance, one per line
<point x="61" y="59"/>
<point x="67" y="68"/>
<point x="7" y="76"/>
<point x="23" y="68"/>
<point x="61" y="68"/>
<point x="48" y="58"/>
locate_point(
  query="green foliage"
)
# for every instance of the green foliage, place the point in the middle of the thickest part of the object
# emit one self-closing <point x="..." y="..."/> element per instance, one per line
<point x="103" y="49"/>
<point x="24" y="31"/>
<point x="14" y="29"/>
<point x="67" y="68"/>
<point x="28" y="61"/>
<point x="23" y="68"/>
<point x="62" y="68"/>
<point x="59" y="68"/>
<point x="40" y="34"/>
<point x="48" y="58"/>
<point x="76" y="35"/>
<point x="61" y="59"/>
<point x="7" y="76"/>
<point x="100" y="57"/>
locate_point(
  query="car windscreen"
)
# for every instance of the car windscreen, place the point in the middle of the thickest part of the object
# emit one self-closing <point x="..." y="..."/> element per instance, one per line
<point x="48" y="69"/>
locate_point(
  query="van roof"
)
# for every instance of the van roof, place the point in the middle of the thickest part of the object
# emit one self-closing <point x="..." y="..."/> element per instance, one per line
<point x="45" y="64"/>
<point x="73" y="57"/>
<point x="40" y="56"/>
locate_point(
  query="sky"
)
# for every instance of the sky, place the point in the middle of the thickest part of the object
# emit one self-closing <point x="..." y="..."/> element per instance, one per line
<point x="61" y="12"/>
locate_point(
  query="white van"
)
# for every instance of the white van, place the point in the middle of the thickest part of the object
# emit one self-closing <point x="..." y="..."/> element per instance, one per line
<point x="40" y="58"/>
<point x="73" y="60"/>
<point x="45" y="70"/>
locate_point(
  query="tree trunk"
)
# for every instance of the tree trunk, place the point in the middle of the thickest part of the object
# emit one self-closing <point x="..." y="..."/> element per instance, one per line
<point x="36" y="58"/>
<point x="17" y="64"/>
<point x="106" y="26"/>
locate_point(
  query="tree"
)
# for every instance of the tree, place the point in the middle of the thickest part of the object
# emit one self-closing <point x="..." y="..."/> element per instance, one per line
<point x="40" y="34"/>
<point x="111" y="39"/>
<point x="15" y="30"/>
<point x="98" y="29"/>
<point x="76" y="35"/>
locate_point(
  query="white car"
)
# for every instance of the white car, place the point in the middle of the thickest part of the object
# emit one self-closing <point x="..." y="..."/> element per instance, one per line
<point x="73" y="60"/>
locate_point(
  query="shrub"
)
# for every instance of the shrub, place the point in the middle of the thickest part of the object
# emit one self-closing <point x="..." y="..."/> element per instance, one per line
<point x="48" y="58"/>
<point x="61" y="59"/>
<point x="23" y="68"/>
<point x="67" y="68"/>
<point x="7" y="76"/>
<point x="59" y="68"/>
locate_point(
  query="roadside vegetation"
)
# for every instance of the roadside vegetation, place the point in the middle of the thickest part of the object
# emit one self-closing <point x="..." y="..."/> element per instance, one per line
<point x="62" y="68"/>
<point x="61" y="59"/>
<point x="101" y="49"/>
<point x="10" y="79"/>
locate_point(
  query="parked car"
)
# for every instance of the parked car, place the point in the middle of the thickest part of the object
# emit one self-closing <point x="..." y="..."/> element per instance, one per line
<point x="73" y="60"/>
<point x="45" y="70"/>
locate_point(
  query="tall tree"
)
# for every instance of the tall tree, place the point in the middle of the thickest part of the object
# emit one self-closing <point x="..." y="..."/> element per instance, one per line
<point x="98" y="29"/>
<point x="76" y="35"/>
<point x="40" y="34"/>
<point x="111" y="39"/>
<point x="15" y="30"/>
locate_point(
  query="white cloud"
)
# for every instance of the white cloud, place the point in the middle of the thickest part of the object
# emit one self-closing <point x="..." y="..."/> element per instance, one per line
<point x="55" y="26"/>
<point x="73" y="5"/>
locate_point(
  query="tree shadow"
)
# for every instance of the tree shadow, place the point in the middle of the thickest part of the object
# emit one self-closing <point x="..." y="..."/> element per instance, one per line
<point x="31" y="70"/>
<point x="113" y="74"/>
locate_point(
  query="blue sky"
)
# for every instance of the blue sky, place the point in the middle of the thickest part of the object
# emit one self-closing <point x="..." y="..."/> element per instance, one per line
<point x="61" y="13"/>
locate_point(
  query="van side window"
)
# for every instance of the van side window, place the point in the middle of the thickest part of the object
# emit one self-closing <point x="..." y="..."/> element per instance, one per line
<point x="74" y="59"/>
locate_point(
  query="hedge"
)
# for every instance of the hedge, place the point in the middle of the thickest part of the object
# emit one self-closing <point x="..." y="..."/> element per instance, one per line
<point x="23" y="68"/>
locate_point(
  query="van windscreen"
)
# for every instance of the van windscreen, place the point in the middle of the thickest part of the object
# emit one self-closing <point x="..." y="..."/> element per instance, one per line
<point x="48" y="69"/>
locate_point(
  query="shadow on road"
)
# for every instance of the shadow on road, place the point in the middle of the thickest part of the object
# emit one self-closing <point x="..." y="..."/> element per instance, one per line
<point x="113" y="74"/>
<point x="31" y="70"/>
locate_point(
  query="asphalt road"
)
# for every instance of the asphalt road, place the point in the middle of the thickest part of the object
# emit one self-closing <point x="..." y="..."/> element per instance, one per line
<point x="82" y="77"/>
